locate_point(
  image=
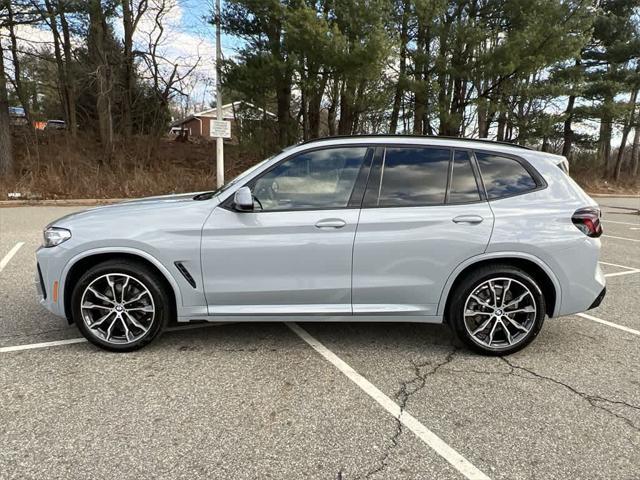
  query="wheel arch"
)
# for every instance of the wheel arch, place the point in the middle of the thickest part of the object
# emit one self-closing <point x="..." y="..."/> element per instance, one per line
<point x="81" y="263"/>
<point x="535" y="267"/>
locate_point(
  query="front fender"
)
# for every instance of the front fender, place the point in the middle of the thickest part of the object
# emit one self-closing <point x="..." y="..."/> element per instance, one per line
<point x="115" y="250"/>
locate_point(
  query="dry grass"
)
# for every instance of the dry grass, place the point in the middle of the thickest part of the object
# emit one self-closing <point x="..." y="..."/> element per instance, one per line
<point x="595" y="183"/>
<point x="56" y="166"/>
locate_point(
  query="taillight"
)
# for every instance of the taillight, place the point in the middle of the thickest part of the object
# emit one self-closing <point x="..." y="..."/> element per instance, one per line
<point x="587" y="220"/>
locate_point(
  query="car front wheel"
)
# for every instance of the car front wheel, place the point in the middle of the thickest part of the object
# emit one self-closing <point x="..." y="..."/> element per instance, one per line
<point x="120" y="306"/>
<point x="497" y="310"/>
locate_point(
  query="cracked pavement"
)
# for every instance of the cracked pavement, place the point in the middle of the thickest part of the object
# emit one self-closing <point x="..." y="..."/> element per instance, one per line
<point x="253" y="401"/>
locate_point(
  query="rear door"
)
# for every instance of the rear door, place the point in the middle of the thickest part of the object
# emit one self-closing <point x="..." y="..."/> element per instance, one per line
<point x="423" y="214"/>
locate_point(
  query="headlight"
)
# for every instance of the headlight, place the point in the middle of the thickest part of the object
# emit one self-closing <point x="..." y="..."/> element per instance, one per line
<point x="55" y="236"/>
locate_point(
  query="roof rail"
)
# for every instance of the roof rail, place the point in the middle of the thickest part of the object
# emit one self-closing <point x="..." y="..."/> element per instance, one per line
<point x="444" y="137"/>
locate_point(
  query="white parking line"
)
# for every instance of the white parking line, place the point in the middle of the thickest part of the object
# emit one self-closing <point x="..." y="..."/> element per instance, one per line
<point x="9" y="256"/>
<point x="423" y="433"/>
<point x="618" y="265"/>
<point x="71" y="341"/>
<point x="623" y="238"/>
<point x="618" y="274"/>
<point x="621" y="223"/>
<point x="608" y="324"/>
<point x="31" y="346"/>
<point x="629" y="271"/>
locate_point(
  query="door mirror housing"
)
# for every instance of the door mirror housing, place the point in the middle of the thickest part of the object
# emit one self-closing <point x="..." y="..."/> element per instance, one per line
<point x="243" y="199"/>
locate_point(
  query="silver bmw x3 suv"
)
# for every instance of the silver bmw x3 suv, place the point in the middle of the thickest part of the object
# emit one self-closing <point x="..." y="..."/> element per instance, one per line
<point x="486" y="237"/>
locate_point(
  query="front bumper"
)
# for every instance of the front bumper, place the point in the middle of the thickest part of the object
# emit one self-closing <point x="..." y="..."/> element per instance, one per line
<point x="49" y="284"/>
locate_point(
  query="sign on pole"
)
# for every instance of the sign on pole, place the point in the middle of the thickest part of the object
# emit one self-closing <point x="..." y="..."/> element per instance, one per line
<point x="220" y="128"/>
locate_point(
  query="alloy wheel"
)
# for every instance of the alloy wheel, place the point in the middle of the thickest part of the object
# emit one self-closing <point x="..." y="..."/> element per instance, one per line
<point x="117" y="308"/>
<point x="500" y="313"/>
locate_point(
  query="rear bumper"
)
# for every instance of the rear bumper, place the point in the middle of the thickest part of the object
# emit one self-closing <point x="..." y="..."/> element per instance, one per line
<point x="581" y="278"/>
<point x="596" y="303"/>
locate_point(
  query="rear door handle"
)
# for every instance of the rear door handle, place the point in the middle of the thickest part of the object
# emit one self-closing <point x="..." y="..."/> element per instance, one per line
<point x="331" y="223"/>
<point x="468" y="219"/>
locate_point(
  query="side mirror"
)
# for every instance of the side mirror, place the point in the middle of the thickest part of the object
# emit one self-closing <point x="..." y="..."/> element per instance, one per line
<point x="243" y="199"/>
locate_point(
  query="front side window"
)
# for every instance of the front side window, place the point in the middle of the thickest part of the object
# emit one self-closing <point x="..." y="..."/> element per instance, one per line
<point x="413" y="176"/>
<point x="504" y="176"/>
<point x="320" y="179"/>
<point x="463" y="188"/>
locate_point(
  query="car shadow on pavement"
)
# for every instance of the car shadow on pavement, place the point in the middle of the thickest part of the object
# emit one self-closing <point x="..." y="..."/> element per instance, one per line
<point x="353" y="335"/>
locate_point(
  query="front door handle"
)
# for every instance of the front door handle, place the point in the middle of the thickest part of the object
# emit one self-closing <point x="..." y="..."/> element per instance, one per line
<point x="473" y="219"/>
<point x="331" y="223"/>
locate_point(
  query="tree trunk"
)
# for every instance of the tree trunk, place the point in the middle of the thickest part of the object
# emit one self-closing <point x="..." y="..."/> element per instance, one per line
<point x="102" y="73"/>
<point x="635" y="151"/>
<point x="68" y="75"/>
<point x="358" y="108"/>
<point x="60" y="67"/>
<point x="545" y="143"/>
<point x="567" y="131"/>
<point x="625" y="134"/>
<point x="419" y="81"/>
<point x="445" y="80"/>
<point x="6" y="148"/>
<point x="283" y="101"/>
<point x="333" y="107"/>
<point x="502" y="123"/>
<point x="483" y="117"/>
<point x="397" y="97"/>
<point x="128" y="72"/>
<point x="304" y="112"/>
<point x="604" y="140"/>
<point x="347" y="110"/>
<point x="17" y="72"/>
<point x="315" y="105"/>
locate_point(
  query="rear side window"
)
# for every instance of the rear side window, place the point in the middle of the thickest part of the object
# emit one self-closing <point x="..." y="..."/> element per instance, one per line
<point x="463" y="188"/>
<point x="413" y="176"/>
<point x="504" y="176"/>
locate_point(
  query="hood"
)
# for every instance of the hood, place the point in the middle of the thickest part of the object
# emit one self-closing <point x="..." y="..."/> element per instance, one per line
<point x="134" y="207"/>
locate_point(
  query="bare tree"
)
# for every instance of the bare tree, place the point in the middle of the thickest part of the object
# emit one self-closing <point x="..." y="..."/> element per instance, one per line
<point x="17" y="71"/>
<point x="9" y="19"/>
<point x="165" y="76"/>
<point x="132" y="12"/>
<point x="53" y="13"/>
<point x="6" y="148"/>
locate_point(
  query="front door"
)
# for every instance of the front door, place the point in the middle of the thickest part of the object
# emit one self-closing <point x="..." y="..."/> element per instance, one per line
<point x="423" y="215"/>
<point x="292" y="254"/>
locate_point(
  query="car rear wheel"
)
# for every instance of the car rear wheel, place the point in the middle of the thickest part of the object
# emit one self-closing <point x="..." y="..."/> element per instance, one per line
<point x="497" y="310"/>
<point x="120" y="306"/>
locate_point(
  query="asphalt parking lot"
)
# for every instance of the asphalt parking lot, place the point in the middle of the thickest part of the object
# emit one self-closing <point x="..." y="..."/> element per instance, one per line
<point x="309" y="400"/>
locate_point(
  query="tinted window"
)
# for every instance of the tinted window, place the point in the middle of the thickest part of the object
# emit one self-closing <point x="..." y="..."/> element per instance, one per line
<point x="313" y="180"/>
<point x="414" y="176"/>
<point x="463" y="182"/>
<point x="503" y="176"/>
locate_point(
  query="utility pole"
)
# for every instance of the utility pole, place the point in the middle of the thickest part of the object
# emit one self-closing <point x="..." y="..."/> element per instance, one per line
<point x="219" y="139"/>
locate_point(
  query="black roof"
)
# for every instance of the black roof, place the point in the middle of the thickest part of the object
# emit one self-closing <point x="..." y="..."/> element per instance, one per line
<point x="443" y="137"/>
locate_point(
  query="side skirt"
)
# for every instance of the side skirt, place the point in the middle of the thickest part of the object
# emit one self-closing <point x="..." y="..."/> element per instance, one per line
<point x="434" y="319"/>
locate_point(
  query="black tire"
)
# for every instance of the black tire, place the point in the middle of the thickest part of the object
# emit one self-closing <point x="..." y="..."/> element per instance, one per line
<point x="140" y="273"/>
<point x="475" y="280"/>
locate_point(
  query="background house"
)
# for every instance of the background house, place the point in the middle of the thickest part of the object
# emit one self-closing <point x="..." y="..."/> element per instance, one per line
<point x="244" y="116"/>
